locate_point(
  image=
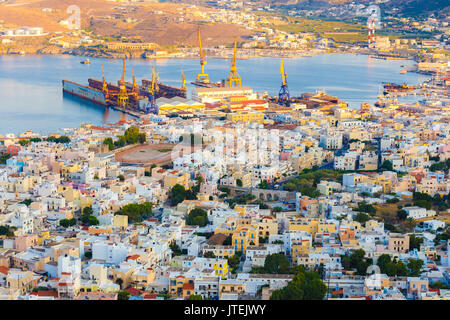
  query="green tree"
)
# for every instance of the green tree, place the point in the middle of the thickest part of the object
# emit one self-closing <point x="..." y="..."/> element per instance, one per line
<point x="121" y="177"/>
<point x="88" y="211"/>
<point x="402" y="215"/>
<point x="177" y="194"/>
<point x="415" y="242"/>
<point x="234" y="260"/>
<point x="239" y="182"/>
<point x="195" y="297"/>
<point x="209" y="254"/>
<point x="276" y="263"/>
<point x="197" y="217"/>
<point x="414" y="266"/>
<point x="361" y="217"/>
<point x="387" y="165"/>
<point x="24" y="142"/>
<point x="306" y="285"/>
<point x="67" y="222"/>
<point x="123" y="294"/>
<point x="137" y="212"/>
<point x="263" y="184"/>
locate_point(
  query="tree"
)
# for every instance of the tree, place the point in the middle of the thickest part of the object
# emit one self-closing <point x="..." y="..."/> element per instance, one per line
<point x="414" y="266"/>
<point x="177" y="194"/>
<point x="24" y="142"/>
<point x="87" y="211"/>
<point x="109" y="142"/>
<point x="356" y="261"/>
<point x="195" y="297"/>
<point x="423" y="204"/>
<point x="136" y="212"/>
<point x="93" y="221"/>
<point x="197" y="217"/>
<point x="415" y="242"/>
<point x="121" y="177"/>
<point x="402" y="214"/>
<point x="263" y="184"/>
<point x="209" y="254"/>
<point x="366" y="208"/>
<point x="239" y="182"/>
<point x="123" y="294"/>
<point x="276" y="263"/>
<point x="277" y="209"/>
<point x="387" y="165"/>
<point x="362" y="217"/>
<point x="27" y="202"/>
<point x="67" y="222"/>
<point x="234" y="260"/>
<point x="306" y="285"/>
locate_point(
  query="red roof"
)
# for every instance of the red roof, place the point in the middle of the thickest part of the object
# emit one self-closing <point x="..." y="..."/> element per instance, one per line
<point x="134" y="292"/>
<point x="4" y="269"/>
<point x="188" y="286"/>
<point x="45" y="293"/>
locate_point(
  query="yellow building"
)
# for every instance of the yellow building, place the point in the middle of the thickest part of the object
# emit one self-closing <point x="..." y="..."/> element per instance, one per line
<point x="300" y="247"/>
<point x="311" y="226"/>
<point x="178" y="283"/>
<point x="267" y="226"/>
<point x="175" y="177"/>
<point x="246" y="117"/>
<point x="243" y="237"/>
<point x="120" y="221"/>
<point x="231" y="286"/>
<point x="178" y="104"/>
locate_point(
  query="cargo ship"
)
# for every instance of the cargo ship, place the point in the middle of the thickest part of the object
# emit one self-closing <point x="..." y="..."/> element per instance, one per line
<point x="84" y="92"/>
<point x="87" y="61"/>
<point x="203" y="84"/>
<point x="392" y="87"/>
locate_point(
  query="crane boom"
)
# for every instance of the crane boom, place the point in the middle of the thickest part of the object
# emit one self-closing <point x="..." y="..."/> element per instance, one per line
<point x="283" y="95"/>
<point x="283" y="74"/>
<point x="123" y="94"/>
<point x="183" y="81"/>
<point x="234" y="78"/>
<point x="202" y="77"/>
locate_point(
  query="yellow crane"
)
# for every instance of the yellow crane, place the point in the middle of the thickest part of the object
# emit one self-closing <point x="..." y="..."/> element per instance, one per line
<point x="153" y="88"/>
<point x="135" y="88"/>
<point x="122" y="99"/>
<point x="283" y="95"/>
<point x="234" y="79"/>
<point x="183" y="79"/>
<point x="105" y="86"/>
<point x="152" y="108"/>
<point x="203" y="77"/>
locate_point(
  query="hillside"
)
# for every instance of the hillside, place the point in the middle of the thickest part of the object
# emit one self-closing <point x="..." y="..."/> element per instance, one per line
<point x="162" y="23"/>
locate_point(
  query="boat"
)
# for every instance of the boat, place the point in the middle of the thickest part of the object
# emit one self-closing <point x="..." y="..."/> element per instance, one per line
<point x="392" y="87"/>
<point x="403" y="71"/>
<point x="84" y="92"/>
<point x="208" y="84"/>
<point x="87" y="61"/>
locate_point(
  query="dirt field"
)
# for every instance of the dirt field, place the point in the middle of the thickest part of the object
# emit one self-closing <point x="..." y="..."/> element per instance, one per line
<point x="146" y="154"/>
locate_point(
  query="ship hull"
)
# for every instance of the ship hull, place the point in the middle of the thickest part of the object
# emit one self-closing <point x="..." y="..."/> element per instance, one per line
<point x="84" y="92"/>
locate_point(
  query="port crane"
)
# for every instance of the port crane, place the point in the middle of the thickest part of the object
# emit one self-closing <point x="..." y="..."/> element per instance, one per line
<point x="152" y="107"/>
<point x="135" y="87"/>
<point x="283" y="95"/>
<point x="105" y="86"/>
<point x="202" y="77"/>
<point x="234" y="79"/>
<point x="183" y="79"/>
<point x="122" y="99"/>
